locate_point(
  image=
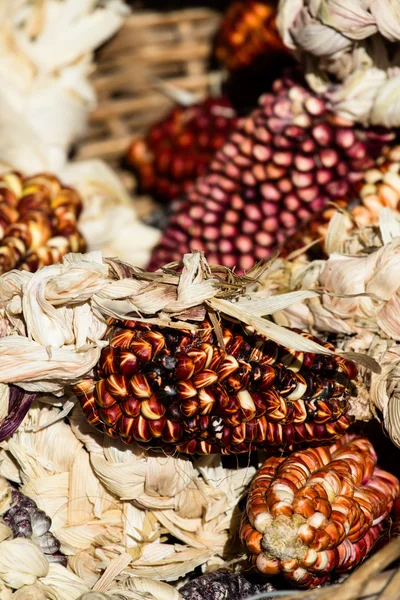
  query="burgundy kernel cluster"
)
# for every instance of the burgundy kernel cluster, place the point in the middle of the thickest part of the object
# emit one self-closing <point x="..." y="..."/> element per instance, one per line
<point x="179" y="148"/>
<point x="281" y="164"/>
<point x="179" y="390"/>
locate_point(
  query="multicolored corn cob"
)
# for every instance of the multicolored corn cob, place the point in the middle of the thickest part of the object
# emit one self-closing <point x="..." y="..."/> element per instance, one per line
<point x="26" y="520"/>
<point x="281" y="165"/>
<point x="179" y="148"/>
<point x="177" y="389"/>
<point x="223" y="584"/>
<point x="38" y="221"/>
<point x="318" y="512"/>
<point x="379" y="188"/>
<point x="248" y="32"/>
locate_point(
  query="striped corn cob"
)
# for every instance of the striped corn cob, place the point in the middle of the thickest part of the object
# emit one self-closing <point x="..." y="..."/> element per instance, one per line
<point x="178" y="390"/>
<point x="248" y="32"/>
<point x="38" y="221"/>
<point x="26" y="520"/>
<point x="379" y="188"/>
<point x="283" y="163"/>
<point x="318" y="512"/>
<point x="179" y="148"/>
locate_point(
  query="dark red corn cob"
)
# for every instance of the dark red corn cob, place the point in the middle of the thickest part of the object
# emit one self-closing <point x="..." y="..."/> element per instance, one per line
<point x="318" y="512"/>
<point x="179" y="148"/>
<point x="248" y="32"/>
<point x="178" y="390"/>
<point x="282" y="164"/>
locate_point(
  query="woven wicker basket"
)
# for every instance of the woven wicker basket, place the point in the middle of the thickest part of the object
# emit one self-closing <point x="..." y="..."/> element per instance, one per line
<point x="173" y="46"/>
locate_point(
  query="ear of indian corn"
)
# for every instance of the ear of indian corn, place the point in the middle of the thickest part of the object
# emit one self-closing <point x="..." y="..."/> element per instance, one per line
<point x="281" y="164"/>
<point x="177" y="389"/>
<point x="38" y="221"/>
<point x="248" y="32"/>
<point x="179" y="148"/>
<point x="317" y="512"/>
<point x="26" y="520"/>
<point x="378" y="189"/>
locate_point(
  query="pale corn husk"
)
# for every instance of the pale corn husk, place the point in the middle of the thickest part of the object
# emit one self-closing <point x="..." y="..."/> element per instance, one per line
<point x="59" y="313"/>
<point x="45" y="94"/>
<point x="350" y="54"/>
<point x="109" y="221"/>
<point x="15" y="572"/>
<point x="45" y="99"/>
<point x="112" y="507"/>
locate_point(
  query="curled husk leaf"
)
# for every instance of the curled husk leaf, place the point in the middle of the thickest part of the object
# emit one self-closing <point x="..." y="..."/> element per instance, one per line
<point x="16" y="572"/>
<point x="94" y="596"/>
<point x="59" y="313"/>
<point x="33" y="592"/>
<point x="348" y="49"/>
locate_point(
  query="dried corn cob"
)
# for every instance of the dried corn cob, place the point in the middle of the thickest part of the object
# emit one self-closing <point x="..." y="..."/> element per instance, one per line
<point x="38" y="221"/>
<point x="178" y="390"/>
<point x="179" y="148"/>
<point x="318" y="512"/>
<point x="379" y="188"/>
<point x="224" y="584"/>
<point x="248" y="32"/>
<point x="283" y="163"/>
<point x="26" y="520"/>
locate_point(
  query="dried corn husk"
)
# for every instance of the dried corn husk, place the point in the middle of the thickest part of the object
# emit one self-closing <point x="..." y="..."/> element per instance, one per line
<point x="59" y="313"/>
<point x="45" y="100"/>
<point x="348" y="48"/>
<point x="113" y="507"/>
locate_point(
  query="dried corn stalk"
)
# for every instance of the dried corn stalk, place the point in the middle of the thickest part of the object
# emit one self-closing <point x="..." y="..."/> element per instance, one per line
<point x="45" y="100"/>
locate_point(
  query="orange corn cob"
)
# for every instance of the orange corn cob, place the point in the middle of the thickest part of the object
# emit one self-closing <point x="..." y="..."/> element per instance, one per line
<point x="248" y="32"/>
<point x="317" y="512"/>
<point x="177" y="389"/>
<point x="38" y="221"/>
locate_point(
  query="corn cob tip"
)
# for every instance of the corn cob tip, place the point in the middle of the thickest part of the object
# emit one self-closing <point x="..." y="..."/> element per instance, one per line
<point x="281" y="539"/>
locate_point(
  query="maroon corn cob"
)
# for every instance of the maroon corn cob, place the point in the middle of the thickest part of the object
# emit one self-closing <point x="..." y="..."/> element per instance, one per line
<point x="179" y="148"/>
<point x="177" y="389"/>
<point x="318" y="512"/>
<point x="282" y="164"/>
